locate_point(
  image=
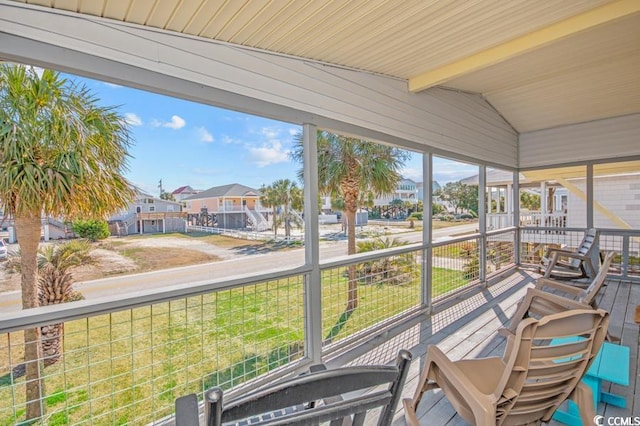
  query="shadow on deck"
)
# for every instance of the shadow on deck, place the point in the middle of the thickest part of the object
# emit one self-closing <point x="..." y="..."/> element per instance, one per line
<point x="469" y="328"/>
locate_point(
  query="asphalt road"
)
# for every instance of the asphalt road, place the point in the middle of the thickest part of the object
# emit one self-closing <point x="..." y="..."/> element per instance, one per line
<point x="10" y="301"/>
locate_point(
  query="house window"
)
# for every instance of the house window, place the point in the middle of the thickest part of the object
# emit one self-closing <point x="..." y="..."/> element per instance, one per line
<point x="152" y="208"/>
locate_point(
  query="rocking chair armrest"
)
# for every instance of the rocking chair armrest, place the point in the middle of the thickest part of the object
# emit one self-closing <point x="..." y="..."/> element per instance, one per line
<point x="454" y="374"/>
<point x="551" y="250"/>
<point x="525" y="305"/>
<point x="557" y="285"/>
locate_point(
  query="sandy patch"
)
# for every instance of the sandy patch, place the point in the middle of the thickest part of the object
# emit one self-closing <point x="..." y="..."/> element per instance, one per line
<point x="177" y="242"/>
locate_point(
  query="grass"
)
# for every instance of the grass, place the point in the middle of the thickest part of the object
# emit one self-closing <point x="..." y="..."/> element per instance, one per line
<point x="127" y="367"/>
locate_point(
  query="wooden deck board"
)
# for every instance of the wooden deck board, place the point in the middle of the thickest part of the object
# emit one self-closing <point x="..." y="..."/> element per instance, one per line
<point x="469" y="329"/>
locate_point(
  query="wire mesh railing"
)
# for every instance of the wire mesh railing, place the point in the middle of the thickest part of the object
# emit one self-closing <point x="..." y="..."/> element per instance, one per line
<point x="626" y="245"/>
<point x="128" y="366"/>
<point x="455" y="266"/>
<point x="127" y="362"/>
<point x="359" y="294"/>
<point x="500" y="251"/>
<point x="534" y="243"/>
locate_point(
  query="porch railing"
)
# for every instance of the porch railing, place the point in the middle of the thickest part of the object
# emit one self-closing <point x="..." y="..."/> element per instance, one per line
<point x="625" y="243"/>
<point x="126" y="358"/>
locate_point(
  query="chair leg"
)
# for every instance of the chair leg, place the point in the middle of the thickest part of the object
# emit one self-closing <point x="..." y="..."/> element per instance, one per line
<point x="583" y="397"/>
<point x="411" y="404"/>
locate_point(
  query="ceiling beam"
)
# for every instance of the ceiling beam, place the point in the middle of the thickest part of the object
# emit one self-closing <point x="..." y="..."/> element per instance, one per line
<point x="528" y="42"/>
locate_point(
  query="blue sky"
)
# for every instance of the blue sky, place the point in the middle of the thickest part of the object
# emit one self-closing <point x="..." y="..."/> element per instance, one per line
<point x="185" y="143"/>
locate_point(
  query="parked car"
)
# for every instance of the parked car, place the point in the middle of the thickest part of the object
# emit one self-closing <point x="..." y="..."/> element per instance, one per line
<point x="3" y="249"/>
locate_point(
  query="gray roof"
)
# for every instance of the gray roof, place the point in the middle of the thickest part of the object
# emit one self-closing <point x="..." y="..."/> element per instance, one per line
<point x="494" y="176"/>
<point x="231" y="190"/>
<point x="140" y="194"/>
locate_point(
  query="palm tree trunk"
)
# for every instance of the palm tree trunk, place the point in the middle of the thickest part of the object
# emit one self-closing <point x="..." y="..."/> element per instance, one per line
<point x="55" y="288"/>
<point x="28" y="232"/>
<point x="275" y="224"/>
<point x="352" y="296"/>
<point x="287" y="222"/>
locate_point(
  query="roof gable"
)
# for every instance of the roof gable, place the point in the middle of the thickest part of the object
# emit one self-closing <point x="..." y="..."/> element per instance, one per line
<point x="185" y="190"/>
<point x="231" y="190"/>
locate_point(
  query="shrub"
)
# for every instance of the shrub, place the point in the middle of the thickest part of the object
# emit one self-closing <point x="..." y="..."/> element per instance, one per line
<point x="416" y="216"/>
<point x="92" y="230"/>
<point x="437" y="209"/>
<point x="466" y="216"/>
<point x="471" y="270"/>
<point x="445" y="217"/>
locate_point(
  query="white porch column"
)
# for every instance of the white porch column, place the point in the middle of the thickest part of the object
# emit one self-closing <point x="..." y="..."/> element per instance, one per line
<point x="589" y="189"/>
<point x="482" y="223"/>
<point x="427" y="230"/>
<point x="312" y="282"/>
<point x="543" y="203"/>
<point x="516" y="216"/>
<point x="508" y="200"/>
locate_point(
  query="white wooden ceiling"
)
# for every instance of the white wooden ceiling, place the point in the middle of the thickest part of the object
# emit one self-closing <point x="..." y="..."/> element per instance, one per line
<point x="584" y="67"/>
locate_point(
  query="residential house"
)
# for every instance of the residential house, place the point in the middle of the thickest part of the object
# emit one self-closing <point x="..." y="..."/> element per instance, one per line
<point x="232" y="206"/>
<point x="562" y="192"/>
<point x="434" y="187"/>
<point x="147" y="214"/>
<point x="406" y="190"/>
<point x="184" y="192"/>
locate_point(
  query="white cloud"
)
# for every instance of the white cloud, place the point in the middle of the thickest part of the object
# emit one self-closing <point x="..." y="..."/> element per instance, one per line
<point x="270" y="152"/>
<point x="293" y="131"/>
<point x="453" y="172"/>
<point x="204" y="134"/>
<point x="176" y="123"/>
<point x="270" y="132"/>
<point x="412" y="173"/>
<point x="132" y="119"/>
<point x="229" y="140"/>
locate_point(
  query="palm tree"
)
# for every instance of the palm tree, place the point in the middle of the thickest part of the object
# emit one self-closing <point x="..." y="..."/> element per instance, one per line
<point x="289" y="197"/>
<point x="396" y="206"/>
<point x="347" y="168"/>
<point x="61" y="154"/>
<point x="55" y="285"/>
<point x="268" y="198"/>
<point x="283" y="196"/>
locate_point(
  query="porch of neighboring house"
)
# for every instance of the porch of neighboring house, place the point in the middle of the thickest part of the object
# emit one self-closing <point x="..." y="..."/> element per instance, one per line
<point x="161" y="222"/>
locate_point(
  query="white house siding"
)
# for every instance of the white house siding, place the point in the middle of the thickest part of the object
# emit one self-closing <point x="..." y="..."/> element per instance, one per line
<point x="279" y="87"/>
<point x="596" y="140"/>
<point x="618" y="194"/>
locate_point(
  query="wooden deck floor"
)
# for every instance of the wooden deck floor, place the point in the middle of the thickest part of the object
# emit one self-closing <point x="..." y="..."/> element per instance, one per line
<point x="469" y="329"/>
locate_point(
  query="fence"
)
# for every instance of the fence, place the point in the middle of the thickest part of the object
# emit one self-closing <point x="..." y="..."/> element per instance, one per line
<point x="125" y="359"/>
<point x="534" y="243"/>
